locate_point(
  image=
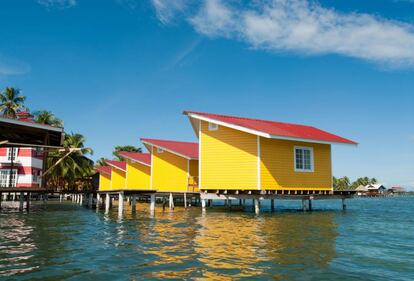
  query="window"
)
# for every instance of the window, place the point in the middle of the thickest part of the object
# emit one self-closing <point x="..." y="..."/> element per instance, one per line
<point x="303" y="159"/>
<point x="212" y="127"/>
<point x="11" y="154"/>
<point x="5" y="177"/>
<point x="160" y="150"/>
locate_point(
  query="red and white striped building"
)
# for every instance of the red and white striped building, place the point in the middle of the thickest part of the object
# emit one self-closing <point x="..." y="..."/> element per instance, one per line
<point x="20" y="167"/>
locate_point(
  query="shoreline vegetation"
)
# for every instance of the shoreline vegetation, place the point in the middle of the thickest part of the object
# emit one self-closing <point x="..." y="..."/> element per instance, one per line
<point x="345" y="183"/>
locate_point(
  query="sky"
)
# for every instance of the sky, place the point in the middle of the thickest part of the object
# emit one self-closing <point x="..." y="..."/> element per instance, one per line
<point x="118" y="70"/>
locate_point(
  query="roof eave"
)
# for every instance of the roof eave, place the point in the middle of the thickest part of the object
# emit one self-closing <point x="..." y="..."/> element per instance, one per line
<point x="116" y="167"/>
<point x="259" y="133"/>
<point x="146" y="143"/>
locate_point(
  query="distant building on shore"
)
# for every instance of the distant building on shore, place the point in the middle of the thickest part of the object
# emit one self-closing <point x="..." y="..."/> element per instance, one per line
<point x="370" y="189"/>
<point x="397" y="190"/>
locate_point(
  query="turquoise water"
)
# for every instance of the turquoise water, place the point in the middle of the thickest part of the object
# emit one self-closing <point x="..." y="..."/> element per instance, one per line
<point x="372" y="240"/>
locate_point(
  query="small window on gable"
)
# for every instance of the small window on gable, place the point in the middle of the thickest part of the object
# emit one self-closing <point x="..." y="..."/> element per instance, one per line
<point x="160" y="150"/>
<point x="212" y="126"/>
<point x="303" y="159"/>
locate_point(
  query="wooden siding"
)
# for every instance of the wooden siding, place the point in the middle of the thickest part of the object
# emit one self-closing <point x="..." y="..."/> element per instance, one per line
<point x="228" y="159"/>
<point x="278" y="171"/>
<point x="194" y="168"/>
<point x="138" y="176"/>
<point x="117" y="179"/>
<point x="169" y="172"/>
<point x="104" y="182"/>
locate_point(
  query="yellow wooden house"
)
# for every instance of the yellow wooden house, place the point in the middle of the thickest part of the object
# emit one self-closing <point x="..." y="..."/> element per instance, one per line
<point x="237" y="153"/>
<point x="174" y="165"/>
<point x="118" y="174"/>
<point x="104" y="177"/>
<point x="138" y="170"/>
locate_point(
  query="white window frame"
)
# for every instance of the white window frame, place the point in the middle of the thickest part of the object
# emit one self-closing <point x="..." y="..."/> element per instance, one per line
<point x="9" y="154"/>
<point x="160" y="150"/>
<point x="8" y="172"/>
<point x="312" y="169"/>
<point x="212" y="126"/>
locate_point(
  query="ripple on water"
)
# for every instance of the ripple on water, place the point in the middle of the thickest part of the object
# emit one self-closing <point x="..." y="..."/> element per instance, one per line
<point x="373" y="240"/>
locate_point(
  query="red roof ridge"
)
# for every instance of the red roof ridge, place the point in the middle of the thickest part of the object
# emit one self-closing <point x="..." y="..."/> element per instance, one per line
<point x="137" y="156"/>
<point x="150" y="139"/>
<point x="119" y="164"/>
<point x="103" y="169"/>
<point x="184" y="149"/>
<point x="248" y="118"/>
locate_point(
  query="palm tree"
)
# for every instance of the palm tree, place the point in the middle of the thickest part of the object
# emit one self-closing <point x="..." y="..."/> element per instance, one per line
<point x="129" y="148"/>
<point x="76" y="165"/>
<point x="342" y="183"/>
<point x="101" y="162"/>
<point x="10" y="102"/>
<point x="47" y="118"/>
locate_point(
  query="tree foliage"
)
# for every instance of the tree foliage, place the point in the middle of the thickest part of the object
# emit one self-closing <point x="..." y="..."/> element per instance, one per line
<point x="128" y="148"/>
<point x="101" y="162"/>
<point x="11" y="101"/>
<point x="344" y="183"/>
<point x="75" y="166"/>
<point x="47" y="118"/>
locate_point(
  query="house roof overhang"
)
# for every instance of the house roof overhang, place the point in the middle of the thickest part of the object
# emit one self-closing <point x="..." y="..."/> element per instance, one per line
<point x="194" y="118"/>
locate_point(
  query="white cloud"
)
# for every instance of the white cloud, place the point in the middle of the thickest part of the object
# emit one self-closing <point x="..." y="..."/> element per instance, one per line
<point x="303" y="27"/>
<point x="62" y="4"/>
<point x="167" y="9"/>
<point x="9" y="66"/>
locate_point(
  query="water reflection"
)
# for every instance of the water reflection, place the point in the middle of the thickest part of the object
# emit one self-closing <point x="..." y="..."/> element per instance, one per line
<point x="66" y="241"/>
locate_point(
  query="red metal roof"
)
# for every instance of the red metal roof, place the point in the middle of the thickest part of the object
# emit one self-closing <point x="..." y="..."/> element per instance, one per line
<point x="103" y="169"/>
<point x="144" y="158"/>
<point x="186" y="149"/>
<point x="118" y="164"/>
<point x="283" y="130"/>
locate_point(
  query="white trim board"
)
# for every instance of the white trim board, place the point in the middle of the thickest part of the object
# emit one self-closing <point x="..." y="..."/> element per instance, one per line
<point x="116" y="167"/>
<point x="166" y="149"/>
<point x="136" y="161"/>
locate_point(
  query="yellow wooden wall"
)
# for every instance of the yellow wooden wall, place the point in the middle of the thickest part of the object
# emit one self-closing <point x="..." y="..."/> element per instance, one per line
<point x="138" y="176"/>
<point x="169" y="172"/>
<point x="117" y="179"/>
<point x="104" y="182"/>
<point x="278" y="171"/>
<point x="228" y="159"/>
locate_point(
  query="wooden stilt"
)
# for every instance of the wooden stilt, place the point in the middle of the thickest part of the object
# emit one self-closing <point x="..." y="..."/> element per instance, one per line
<point x="107" y="202"/>
<point x="256" y="206"/>
<point x="343" y="204"/>
<point x="120" y="203"/>
<point x="21" y="203"/>
<point x="28" y="201"/>
<point x="310" y="204"/>
<point x="304" y="205"/>
<point x="203" y="204"/>
<point x="152" y="202"/>
<point x="185" y="200"/>
<point x="133" y="202"/>
<point x="171" y="201"/>
<point x="272" y="204"/>
<point x="98" y="200"/>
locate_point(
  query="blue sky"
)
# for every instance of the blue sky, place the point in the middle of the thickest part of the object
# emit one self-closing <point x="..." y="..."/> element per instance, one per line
<point x="118" y="70"/>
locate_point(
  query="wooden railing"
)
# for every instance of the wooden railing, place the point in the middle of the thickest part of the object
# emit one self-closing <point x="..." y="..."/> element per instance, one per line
<point x="192" y="184"/>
